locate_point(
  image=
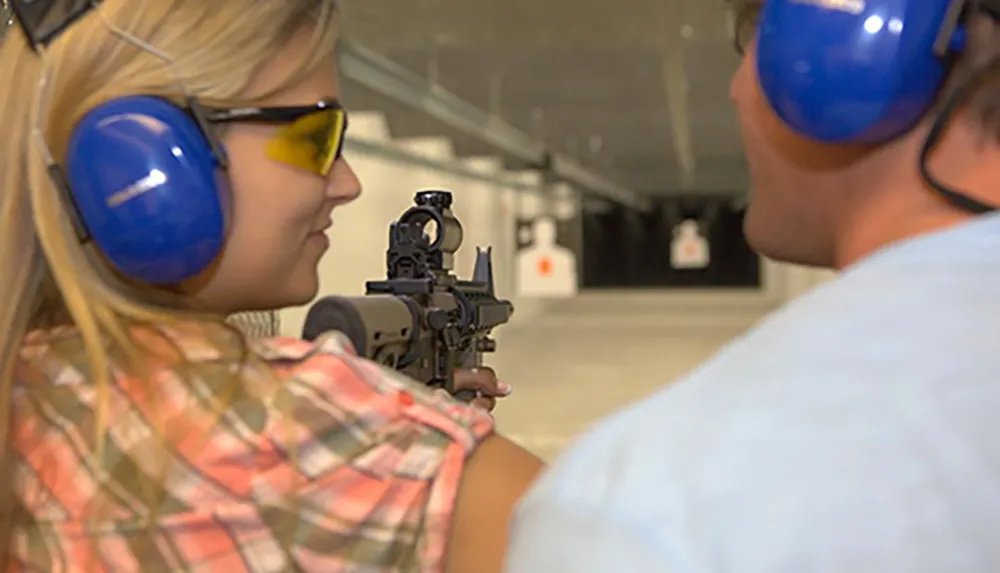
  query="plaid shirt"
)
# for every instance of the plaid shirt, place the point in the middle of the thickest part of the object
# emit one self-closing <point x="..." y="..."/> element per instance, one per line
<point x="370" y="486"/>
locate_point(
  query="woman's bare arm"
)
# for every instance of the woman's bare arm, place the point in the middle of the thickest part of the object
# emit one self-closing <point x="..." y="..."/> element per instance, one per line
<point x="496" y="475"/>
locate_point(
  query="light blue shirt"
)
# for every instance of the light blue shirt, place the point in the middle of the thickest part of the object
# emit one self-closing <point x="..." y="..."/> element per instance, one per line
<point x="857" y="430"/>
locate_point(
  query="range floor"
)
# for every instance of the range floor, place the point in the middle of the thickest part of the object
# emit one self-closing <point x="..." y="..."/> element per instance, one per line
<point x="585" y="358"/>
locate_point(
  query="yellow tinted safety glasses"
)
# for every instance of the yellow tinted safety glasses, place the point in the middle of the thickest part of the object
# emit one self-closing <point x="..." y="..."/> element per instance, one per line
<point x="308" y="137"/>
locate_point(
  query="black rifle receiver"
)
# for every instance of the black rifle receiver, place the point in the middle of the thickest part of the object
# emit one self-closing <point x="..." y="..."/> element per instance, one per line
<point x="421" y="320"/>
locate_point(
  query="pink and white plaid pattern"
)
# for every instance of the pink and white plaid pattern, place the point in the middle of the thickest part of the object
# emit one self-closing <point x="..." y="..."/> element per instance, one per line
<point x="369" y="485"/>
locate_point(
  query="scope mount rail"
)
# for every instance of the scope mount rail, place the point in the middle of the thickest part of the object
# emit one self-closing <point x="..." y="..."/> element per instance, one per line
<point x="388" y="78"/>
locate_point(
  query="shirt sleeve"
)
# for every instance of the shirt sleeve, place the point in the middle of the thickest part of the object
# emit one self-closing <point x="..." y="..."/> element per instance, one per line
<point x="376" y="464"/>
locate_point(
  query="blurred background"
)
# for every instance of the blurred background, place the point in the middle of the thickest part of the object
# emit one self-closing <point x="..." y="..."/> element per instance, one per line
<point x="594" y="147"/>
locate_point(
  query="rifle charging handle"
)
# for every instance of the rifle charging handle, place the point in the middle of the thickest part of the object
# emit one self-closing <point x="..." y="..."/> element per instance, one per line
<point x="438" y="319"/>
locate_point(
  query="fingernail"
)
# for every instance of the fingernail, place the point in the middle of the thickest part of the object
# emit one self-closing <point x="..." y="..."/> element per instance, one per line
<point x="504" y="388"/>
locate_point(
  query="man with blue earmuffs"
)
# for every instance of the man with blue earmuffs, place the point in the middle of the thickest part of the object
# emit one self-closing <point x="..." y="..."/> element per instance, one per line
<point x="857" y="429"/>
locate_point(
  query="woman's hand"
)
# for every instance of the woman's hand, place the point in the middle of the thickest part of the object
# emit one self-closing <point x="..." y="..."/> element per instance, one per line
<point x="483" y="381"/>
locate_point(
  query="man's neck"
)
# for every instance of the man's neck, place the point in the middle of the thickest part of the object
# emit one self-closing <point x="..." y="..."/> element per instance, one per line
<point x="905" y="206"/>
<point x="871" y="231"/>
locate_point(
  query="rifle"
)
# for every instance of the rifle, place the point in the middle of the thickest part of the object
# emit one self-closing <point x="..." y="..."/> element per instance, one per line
<point x="421" y="320"/>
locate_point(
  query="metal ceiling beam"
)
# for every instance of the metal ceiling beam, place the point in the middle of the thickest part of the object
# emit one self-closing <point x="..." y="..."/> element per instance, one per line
<point x="388" y="78"/>
<point x="521" y="24"/>
<point x="676" y="86"/>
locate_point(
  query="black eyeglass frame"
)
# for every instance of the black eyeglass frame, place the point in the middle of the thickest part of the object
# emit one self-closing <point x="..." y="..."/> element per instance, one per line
<point x="270" y="114"/>
<point x="273" y="115"/>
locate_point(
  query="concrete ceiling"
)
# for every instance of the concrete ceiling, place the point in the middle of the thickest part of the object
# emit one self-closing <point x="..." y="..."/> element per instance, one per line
<point x="638" y="89"/>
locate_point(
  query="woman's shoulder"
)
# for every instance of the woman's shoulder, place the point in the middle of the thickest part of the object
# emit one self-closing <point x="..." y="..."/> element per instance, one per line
<point x="366" y="448"/>
<point x="331" y="368"/>
<point x="327" y="369"/>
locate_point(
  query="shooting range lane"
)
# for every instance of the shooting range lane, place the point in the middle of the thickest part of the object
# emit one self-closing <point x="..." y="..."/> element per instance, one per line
<point x="591" y="355"/>
<point x="570" y="360"/>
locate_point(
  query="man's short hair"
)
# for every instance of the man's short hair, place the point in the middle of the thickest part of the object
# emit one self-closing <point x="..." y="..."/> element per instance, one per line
<point x="983" y="51"/>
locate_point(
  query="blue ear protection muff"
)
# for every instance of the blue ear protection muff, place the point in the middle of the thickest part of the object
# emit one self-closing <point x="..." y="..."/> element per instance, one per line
<point x="855" y="71"/>
<point x="147" y="182"/>
<point x="867" y="71"/>
<point x="144" y="177"/>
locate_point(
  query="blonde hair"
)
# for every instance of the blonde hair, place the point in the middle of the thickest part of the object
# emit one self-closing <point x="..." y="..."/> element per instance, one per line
<point x="45" y="272"/>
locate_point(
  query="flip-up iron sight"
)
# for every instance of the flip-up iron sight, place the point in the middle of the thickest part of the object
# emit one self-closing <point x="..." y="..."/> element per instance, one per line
<point x="421" y="320"/>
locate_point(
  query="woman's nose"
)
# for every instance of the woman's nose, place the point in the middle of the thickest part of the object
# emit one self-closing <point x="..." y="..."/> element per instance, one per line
<point x="344" y="185"/>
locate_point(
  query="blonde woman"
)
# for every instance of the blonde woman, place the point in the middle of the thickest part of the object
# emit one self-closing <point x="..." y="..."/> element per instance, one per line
<point x="164" y="164"/>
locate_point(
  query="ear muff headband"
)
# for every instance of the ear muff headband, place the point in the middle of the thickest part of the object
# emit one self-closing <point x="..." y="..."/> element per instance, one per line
<point x="855" y="71"/>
